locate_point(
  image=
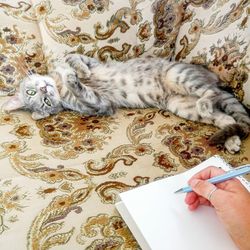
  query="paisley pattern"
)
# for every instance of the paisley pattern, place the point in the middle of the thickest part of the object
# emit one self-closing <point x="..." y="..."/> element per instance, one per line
<point x="61" y="176"/>
<point x="74" y="134"/>
<point x="216" y="34"/>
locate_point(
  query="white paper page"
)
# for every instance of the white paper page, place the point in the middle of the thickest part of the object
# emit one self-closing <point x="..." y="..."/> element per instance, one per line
<point x="165" y="220"/>
<point x="131" y="224"/>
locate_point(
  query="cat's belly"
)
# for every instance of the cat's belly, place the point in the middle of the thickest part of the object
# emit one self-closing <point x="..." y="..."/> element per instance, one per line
<point x="137" y="99"/>
<point x="131" y="101"/>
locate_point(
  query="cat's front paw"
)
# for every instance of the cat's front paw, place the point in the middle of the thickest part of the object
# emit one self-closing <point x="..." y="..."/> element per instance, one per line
<point x="89" y="61"/>
<point x="106" y="110"/>
<point x="71" y="59"/>
<point x="73" y="83"/>
<point x="80" y="65"/>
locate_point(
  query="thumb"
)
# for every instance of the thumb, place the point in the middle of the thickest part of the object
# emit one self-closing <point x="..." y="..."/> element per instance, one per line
<point x="201" y="187"/>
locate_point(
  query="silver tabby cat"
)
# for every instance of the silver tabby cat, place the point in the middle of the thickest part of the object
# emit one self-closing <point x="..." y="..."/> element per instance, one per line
<point x="85" y="85"/>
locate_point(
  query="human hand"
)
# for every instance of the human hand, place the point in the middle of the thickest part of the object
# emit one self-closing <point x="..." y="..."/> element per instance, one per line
<point x="231" y="201"/>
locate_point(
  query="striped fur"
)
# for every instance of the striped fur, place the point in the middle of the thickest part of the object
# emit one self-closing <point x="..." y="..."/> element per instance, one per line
<point x="189" y="91"/>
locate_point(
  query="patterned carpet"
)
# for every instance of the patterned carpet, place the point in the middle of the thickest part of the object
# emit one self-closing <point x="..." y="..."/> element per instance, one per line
<point x="60" y="176"/>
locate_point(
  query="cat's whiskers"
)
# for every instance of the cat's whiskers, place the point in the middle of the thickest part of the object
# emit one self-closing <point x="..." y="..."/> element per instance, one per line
<point x="30" y="72"/>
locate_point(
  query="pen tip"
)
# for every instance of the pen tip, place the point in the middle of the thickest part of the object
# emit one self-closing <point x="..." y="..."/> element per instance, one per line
<point x="178" y="191"/>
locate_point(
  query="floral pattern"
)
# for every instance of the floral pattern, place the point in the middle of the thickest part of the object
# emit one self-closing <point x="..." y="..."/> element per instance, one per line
<point x="12" y="201"/>
<point x="17" y="57"/>
<point x="167" y="19"/>
<point x="61" y="176"/>
<point x="116" y="234"/>
<point x="206" y="38"/>
<point x="74" y="134"/>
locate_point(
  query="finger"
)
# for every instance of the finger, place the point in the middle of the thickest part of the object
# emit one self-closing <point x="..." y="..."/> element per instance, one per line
<point x="194" y="205"/>
<point x="191" y="198"/>
<point x="204" y="188"/>
<point x="203" y="201"/>
<point x="207" y="173"/>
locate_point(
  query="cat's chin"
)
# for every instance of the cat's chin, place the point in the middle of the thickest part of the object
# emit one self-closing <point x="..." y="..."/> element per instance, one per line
<point x="38" y="116"/>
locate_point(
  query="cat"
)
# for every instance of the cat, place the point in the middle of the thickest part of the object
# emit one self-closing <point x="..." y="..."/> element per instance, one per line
<point x="90" y="87"/>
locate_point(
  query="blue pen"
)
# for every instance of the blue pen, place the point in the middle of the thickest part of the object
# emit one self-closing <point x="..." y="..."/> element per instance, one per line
<point x="220" y="178"/>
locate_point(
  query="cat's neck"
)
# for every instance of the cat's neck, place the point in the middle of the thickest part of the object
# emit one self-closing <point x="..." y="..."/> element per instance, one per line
<point x="58" y="80"/>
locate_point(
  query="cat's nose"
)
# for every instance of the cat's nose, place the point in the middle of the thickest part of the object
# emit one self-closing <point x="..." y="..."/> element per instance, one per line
<point x="43" y="89"/>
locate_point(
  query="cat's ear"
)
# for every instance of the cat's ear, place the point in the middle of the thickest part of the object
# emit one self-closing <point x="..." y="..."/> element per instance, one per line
<point x="38" y="116"/>
<point x="14" y="103"/>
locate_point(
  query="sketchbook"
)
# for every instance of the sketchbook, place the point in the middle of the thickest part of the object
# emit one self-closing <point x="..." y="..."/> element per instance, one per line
<point x="160" y="220"/>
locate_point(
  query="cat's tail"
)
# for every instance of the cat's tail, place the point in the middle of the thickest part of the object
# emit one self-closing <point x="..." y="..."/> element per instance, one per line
<point x="220" y="137"/>
<point x="231" y="106"/>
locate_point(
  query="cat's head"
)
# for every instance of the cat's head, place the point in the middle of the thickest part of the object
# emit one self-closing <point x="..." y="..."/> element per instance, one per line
<point x="38" y="94"/>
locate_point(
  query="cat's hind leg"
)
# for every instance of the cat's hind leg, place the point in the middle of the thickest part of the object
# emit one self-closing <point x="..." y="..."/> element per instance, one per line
<point x="205" y="106"/>
<point x="233" y="144"/>
<point x="230" y="132"/>
<point x="183" y="106"/>
<point x="196" y="81"/>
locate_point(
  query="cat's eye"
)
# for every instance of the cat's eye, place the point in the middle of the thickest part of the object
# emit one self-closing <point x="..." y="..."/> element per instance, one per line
<point x="31" y="92"/>
<point x="47" y="101"/>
